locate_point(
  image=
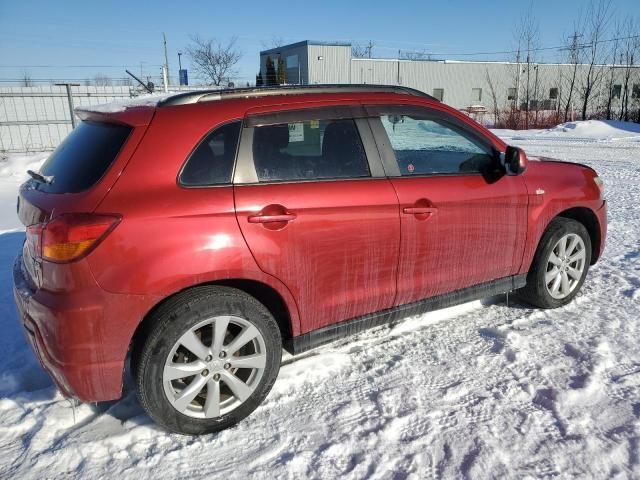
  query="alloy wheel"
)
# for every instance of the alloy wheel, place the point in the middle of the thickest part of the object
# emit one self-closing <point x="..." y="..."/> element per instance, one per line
<point x="214" y="367"/>
<point x="565" y="266"/>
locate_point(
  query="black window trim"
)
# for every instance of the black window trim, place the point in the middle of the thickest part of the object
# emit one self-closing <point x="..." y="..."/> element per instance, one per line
<point x="388" y="155"/>
<point x="204" y="137"/>
<point x="245" y="172"/>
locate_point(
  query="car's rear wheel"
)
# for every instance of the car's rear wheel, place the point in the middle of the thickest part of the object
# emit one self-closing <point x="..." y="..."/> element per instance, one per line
<point x="560" y="264"/>
<point x="210" y="357"/>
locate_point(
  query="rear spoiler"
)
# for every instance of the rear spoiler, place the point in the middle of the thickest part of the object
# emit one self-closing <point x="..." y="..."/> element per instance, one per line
<point x="134" y="117"/>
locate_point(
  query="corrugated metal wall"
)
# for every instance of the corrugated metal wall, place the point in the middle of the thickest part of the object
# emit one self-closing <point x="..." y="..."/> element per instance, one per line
<point x="465" y="84"/>
<point x="459" y="79"/>
<point x="329" y="64"/>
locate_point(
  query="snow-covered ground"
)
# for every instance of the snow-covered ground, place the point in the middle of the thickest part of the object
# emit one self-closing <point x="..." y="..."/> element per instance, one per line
<point x="480" y="390"/>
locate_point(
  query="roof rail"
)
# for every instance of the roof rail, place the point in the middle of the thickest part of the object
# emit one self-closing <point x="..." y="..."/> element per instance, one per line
<point x="212" y="95"/>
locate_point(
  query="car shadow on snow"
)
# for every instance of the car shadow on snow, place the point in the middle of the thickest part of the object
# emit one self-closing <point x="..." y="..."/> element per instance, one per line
<point x="20" y="372"/>
<point x="23" y="379"/>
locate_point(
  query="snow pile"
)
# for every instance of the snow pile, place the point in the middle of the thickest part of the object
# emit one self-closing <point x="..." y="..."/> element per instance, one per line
<point x="13" y="172"/>
<point x="599" y="129"/>
<point x="120" y="105"/>
<point x="587" y="130"/>
<point x="482" y="390"/>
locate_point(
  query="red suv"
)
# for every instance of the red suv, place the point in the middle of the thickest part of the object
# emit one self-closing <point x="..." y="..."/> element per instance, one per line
<point x="200" y="235"/>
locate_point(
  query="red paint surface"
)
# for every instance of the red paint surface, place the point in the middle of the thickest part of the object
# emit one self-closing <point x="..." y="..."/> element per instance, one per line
<point x="354" y="247"/>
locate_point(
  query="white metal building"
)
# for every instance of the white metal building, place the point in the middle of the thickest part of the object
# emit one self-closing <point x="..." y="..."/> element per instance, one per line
<point x="461" y="84"/>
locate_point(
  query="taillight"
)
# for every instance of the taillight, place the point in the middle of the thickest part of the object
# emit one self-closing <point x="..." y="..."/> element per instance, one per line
<point x="71" y="236"/>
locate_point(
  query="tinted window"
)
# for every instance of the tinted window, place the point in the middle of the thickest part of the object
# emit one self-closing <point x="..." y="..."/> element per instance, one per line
<point x="212" y="161"/>
<point x="309" y="150"/>
<point x="83" y="157"/>
<point x="426" y="146"/>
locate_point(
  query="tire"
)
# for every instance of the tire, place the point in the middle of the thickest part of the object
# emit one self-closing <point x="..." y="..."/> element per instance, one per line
<point x="239" y="380"/>
<point x="539" y="291"/>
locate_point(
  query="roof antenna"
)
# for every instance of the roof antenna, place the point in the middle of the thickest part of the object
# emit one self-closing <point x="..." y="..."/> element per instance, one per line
<point x="144" y="85"/>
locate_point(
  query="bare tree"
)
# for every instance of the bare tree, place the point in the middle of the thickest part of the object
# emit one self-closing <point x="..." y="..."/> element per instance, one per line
<point x="494" y="98"/>
<point x="598" y="15"/>
<point x="574" y="58"/>
<point x="362" y="51"/>
<point x="628" y="57"/>
<point x="26" y="81"/>
<point x="358" y="51"/>
<point x="274" y="42"/>
<point x="214" y="60"/>
<point x="610" y="89"/>
<point x="101" y="80"/>
<point x="528" y="40"/>
<point x="414" y="55"/>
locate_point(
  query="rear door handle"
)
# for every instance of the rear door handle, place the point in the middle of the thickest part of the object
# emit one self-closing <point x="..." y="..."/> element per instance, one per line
<point x="419" y="210"/>
<point x="285" y="217"/>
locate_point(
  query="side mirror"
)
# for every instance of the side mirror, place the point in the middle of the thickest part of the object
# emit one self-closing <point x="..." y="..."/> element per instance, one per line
<point x="515" y="161"/>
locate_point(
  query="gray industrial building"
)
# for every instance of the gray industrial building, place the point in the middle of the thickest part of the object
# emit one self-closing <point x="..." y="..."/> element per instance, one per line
<point x="475" y="86"/>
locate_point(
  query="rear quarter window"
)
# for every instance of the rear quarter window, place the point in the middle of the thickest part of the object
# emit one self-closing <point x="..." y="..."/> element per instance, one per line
<point x="83" y="157"/>
<point x="211" y="163"/>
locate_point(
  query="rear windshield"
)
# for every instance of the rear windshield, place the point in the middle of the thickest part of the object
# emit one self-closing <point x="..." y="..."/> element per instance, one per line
<point x="84" y="157"/>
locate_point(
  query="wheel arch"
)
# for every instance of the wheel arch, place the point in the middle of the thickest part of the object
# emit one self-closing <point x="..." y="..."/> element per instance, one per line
<point x="264" y="293"/>
<point x="588" y="218"/>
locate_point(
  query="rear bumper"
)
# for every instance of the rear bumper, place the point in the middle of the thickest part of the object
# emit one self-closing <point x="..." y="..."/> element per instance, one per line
<point x="69" y="334"/>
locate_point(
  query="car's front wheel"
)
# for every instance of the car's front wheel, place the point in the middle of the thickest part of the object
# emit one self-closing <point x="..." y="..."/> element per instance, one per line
<point x="209" y="358"/>
<point x="559" y="266"/>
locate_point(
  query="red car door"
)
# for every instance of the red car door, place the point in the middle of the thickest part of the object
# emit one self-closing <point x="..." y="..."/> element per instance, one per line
<point x="318" y="213"/>
<point x="462" y="222"/>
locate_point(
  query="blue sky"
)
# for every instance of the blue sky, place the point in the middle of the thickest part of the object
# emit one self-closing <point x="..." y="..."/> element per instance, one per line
<point x="115" y="34"/>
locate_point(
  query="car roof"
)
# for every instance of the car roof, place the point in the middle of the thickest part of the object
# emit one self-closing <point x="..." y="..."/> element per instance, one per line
<point x="140" y="110"/>
<point x="233" y="93"/>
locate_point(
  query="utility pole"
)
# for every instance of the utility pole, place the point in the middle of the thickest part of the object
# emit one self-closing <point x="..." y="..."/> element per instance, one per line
<point x="166" y="57"/>
<point x="369" y="48"/>
<point x="526" y="119"/>
<point x="165" y="78"/>
<point x="518" y="80"/>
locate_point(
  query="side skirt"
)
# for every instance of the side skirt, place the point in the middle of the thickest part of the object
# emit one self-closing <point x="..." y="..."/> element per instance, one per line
<point x="324" y="335"/>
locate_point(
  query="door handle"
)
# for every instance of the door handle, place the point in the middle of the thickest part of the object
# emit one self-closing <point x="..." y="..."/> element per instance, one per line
<point x="419" y="210"/>
<point x="285" y="217"/>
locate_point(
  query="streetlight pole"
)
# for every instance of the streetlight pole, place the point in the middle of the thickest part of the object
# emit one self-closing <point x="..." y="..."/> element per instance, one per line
<point x="179" y="62"/>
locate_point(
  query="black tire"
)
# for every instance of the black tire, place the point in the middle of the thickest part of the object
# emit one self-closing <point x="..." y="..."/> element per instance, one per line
<point x="167" y="324"/>
<point x="536" y="292"/>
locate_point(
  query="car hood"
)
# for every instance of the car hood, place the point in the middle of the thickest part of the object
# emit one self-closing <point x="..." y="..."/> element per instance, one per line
<point x="544" y="159"/>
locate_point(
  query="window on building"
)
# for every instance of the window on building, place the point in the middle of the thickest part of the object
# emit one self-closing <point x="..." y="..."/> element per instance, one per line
<point x="553" y="93"/>
<point x="427" y="145"/>
<point x="309" y="150"/>
<point x="292" y="61"/>
<point x="635" y="90"/>
<point x="616" y="91"/>
<point x="211" y="163"/>
<point x="476" y="94"/>
<point x="438" y="93"/>
<point x="511" y="93"/>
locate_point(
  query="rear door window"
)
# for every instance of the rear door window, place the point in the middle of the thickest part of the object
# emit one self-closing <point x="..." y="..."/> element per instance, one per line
<point x="309" y="150"/>
<point x="83" y="157"/>
<point x="211" y="163"/>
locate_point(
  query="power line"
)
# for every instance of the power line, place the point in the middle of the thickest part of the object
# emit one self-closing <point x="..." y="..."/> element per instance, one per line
<point x="78" y="66"/>
<point x="539" y="49"/>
